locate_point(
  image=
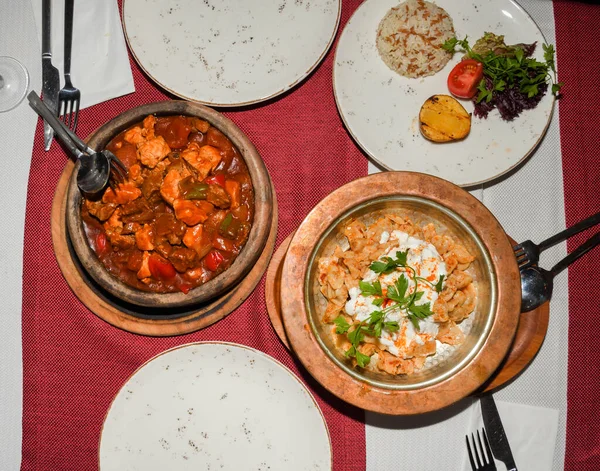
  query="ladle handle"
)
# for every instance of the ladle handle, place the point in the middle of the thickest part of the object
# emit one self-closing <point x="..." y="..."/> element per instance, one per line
<point x="570" y="231"/>
<point x="578" y="252"/>
<point x="40" y="108"/>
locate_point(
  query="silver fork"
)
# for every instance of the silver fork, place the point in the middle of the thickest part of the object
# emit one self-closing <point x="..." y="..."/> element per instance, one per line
<point x="528" y="253"/>
<point x="480" y="461"/>
<point x="69" y="97"/>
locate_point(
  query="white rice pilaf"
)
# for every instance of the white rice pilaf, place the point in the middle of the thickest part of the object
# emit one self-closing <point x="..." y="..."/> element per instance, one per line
<point x="410" y="38"/>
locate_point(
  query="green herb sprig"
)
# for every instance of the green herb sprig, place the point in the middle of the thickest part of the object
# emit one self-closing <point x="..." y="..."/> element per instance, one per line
<point x="508" y="70"/>
<point x="399" y="299"/>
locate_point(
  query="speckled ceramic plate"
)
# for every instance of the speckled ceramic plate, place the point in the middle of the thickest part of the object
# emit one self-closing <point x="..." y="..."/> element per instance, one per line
<point x="214" y="406"/>
<point x="380" y="108"/>
<point x="229" y="52"/>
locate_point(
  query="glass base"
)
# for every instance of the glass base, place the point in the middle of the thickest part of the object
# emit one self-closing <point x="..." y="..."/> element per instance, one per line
<point x="14" y="82"/>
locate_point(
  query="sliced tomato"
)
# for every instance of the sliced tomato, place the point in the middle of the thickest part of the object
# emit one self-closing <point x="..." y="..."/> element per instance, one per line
<point x="213" y="260"/>
<point x="216" y="180"/>
<point x="161" y="268"/>
<point x="465" y="77"/>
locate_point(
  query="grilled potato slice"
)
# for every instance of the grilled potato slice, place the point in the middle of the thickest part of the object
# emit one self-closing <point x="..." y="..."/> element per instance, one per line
<point x="443" y="119"/>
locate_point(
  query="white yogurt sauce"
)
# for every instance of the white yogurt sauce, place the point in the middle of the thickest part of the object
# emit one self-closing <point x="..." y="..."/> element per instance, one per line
<point x="428" y="264"/>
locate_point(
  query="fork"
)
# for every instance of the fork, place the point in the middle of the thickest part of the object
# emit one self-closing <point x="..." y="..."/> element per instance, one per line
<point x="480" y="461"/>
<point x="528" y="253"/>
<point x="69" y="96"/>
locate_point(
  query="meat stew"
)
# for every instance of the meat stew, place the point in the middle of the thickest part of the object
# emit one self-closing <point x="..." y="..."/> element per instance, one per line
<point x="184" y="213"/>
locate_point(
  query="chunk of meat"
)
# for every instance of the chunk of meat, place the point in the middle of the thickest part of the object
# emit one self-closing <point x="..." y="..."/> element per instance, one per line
<point x="149" y="122"/>
<point x="218" y="196"/>
<point x="98" y="209"/>
<point x="144" y="271"/>
<point x="153" y="151"/>
<point x="192" y="212"/>
<point x="134" y="136"/>
<point x="183" y="258"/>
<point x="135" y="175"/>
<point x="194" y="239"/>
<point x="144" y="238"/>
<point x="199" y="125"/>
<point x="204" y="159"/>
<point x="169" y="189"/>
<point x="123" y="194"/>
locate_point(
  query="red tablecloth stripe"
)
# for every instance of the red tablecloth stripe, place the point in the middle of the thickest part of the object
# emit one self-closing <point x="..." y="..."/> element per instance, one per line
<point x="74" y="363"/>
<point x="576" y="30"/>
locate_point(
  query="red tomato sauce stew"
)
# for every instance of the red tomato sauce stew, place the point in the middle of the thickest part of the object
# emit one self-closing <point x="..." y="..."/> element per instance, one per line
<point x="184" y="213"/>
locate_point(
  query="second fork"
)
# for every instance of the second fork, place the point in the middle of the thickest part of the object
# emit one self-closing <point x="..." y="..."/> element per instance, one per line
<point x="528" y="253"/>
<point x="69" y="96"/>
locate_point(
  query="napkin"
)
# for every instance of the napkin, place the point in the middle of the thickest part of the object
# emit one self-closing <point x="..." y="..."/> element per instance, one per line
<point x="100" y="66"/>
<point x="531" y="433"/>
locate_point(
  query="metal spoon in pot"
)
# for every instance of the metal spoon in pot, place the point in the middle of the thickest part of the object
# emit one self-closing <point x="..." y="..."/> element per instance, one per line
<point x="94" y="170"/>
<point x="537" y="284"/>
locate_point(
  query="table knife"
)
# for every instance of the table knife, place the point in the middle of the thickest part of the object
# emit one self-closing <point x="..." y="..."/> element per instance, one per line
<point x="495" y="432"/>
<point x="50" y="76"/>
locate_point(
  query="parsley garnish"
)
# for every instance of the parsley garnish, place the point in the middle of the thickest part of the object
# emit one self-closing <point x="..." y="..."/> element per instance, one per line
<point x="398" y="299"/>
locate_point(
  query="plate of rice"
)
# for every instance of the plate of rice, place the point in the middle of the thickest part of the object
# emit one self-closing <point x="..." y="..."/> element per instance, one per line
<point x="389" y="61"/>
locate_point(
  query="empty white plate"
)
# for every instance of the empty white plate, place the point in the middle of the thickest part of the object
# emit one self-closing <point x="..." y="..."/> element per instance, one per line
<point x="229" y="52"/>
<point x="218" y="406"/>
<point x="380" y="108"/>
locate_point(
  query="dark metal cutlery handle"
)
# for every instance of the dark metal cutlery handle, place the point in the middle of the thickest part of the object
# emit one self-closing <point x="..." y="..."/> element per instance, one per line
<point x="68" y="35"/>
<point x="578" y="252"/>
<point x="46" y="31"/>
<point x="575" y="229"/>
<point x="45" y="112"/>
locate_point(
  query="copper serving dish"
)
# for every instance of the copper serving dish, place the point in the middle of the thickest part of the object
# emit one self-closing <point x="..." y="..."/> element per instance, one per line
<point x="491" y="327"/>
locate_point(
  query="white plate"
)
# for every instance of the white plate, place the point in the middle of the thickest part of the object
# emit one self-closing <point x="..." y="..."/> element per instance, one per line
<point x="229" y="52"/>
<point x="217" y="406"/>
<point x="380" y="108"/>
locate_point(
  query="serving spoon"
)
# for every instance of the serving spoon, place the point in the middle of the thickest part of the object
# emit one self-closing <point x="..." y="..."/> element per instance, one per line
<point x="537" y="284"/>
<point x="94" y="170"/>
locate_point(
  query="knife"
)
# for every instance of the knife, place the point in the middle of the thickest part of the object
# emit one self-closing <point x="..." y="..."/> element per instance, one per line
<point x="495" y="432"/>
<point x="50" y="76"/>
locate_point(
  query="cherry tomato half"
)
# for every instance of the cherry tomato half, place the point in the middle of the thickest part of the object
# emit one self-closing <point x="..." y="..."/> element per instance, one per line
<point x="465" y="77"/>
<point x="161" y="268"/>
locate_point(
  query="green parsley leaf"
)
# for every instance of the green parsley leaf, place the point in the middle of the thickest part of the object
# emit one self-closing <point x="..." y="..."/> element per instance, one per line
<point x="378" y="301"/>
<point x="385" y="265"/>
<point x="556" y="87"/>
<point x="356" y="335"/>
<point x="439" y="284"/>
<point x="391" y="326"/>
<point x="401" y="258"/>
<point x="450" y="44"/>
<point x="397" y="292"/>
<point x="370" y="289"/>
<point x="362" y="359"/>
<point x="342" y="325"/>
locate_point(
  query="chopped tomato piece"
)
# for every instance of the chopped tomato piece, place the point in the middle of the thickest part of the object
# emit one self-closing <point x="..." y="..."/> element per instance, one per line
<point x="174" y="130"/>
<point x="161" y="268"/>
<point x="185" y="287"/>
<point x="101" y="243"/>
<point x="216" y="180"/>
<point x="213" y="260"/>
<point x="465" y="77"/>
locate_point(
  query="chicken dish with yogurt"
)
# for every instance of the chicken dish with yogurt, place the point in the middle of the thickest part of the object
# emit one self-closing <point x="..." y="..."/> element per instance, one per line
<point x="397" y="295"/>
<point x="183" y="214"/>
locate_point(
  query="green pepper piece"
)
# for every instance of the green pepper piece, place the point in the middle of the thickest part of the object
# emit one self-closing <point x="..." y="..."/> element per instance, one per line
<point x="197" y="192"/>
